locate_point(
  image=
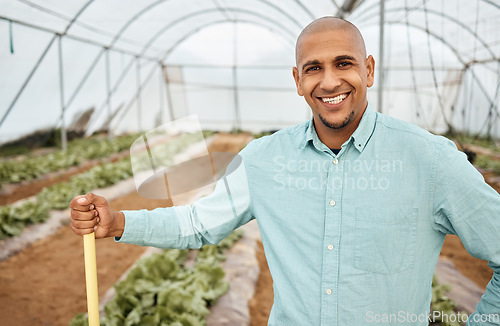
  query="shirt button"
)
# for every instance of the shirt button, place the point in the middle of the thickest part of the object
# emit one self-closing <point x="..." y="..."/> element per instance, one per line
<point x="332" y="202"/>
<point x="330" y="247"/>
<point x="335" y="161"/>
<point x="328" y="291"/>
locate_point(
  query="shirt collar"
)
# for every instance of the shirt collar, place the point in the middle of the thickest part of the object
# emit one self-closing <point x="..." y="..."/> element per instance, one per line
<point x="359" y="137"/>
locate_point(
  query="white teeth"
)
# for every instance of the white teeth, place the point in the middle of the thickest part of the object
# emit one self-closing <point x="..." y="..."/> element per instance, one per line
<point x="334" y="100"/>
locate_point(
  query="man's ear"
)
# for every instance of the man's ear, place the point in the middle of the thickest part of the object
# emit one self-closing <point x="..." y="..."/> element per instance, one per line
<point x="297" y="81"/>
<point x="370" y="71"/>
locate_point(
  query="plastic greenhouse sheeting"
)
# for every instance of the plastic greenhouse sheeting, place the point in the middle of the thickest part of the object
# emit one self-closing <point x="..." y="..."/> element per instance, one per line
<point x="138" y="64"/>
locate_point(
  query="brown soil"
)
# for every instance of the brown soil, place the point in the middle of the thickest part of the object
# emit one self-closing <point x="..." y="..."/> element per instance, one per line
<point x="262" y="301"/>
<point x="45" y="283"/>
<point x="473" y="268"/>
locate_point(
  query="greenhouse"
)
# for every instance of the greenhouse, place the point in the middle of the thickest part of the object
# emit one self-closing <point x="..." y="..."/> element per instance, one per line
<point x="134" y="66"/>
<point x="86" y="85"/>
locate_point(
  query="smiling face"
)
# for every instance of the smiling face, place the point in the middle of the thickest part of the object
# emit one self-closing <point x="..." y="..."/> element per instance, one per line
<point x="333" y="74"/>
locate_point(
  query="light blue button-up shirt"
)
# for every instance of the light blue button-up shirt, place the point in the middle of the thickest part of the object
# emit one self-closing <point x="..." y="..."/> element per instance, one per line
<point x="350" y="239"/>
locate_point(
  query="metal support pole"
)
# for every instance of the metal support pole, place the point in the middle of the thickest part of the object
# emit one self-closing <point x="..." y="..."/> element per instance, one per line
<point x="108" y="92"/>
<point x="100" y="108"/>
<point x="11" y="38"/>
<point x="237" y="119"/>
<point x="61" y="92"/>
<point x="138" y="94"/>
<point x="168" y="93"/>
<point x="381" y="58"/>
<point x="160" y="92"/>
<point x="126" y="108"/>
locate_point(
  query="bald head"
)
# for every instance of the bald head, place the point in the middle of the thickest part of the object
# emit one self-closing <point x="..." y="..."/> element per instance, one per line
<point x="329" y="24"/>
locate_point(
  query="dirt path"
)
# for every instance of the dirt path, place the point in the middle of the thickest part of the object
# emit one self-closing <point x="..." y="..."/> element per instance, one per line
<point x="45" y="283"/>
<point x="262" y="301"/>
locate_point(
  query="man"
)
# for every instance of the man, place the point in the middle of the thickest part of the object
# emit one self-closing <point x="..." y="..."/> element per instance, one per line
<point x="353" y="206"/>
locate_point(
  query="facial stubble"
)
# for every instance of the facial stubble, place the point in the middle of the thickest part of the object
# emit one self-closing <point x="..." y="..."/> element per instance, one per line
<point x="337" y="126"/>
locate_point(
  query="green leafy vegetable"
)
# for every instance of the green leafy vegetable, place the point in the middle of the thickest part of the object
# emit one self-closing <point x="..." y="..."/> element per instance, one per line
<point x="80" y="150"/>
<point x="161" y="290"/>
<point x="441" y="303"/>
<point x="13" y="220"/>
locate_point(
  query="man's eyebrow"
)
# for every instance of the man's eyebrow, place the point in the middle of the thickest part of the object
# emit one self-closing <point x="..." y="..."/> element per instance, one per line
<point x="345" y="57"/>
<point x="310" y="63"/>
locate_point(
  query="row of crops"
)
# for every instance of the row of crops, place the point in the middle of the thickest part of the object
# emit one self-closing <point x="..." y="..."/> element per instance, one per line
<point x="163" y="290"/>
<point x="14" y="218"/>
<point x="80" y="150"/>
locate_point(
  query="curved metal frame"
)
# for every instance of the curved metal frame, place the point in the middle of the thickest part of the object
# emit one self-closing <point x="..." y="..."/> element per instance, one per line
<point x="447" y="44"/>
<point x="376" y="5"/>
<point x="122" y="30"/>
<point x="276" y="27"/>
<point x="455" y="52"/>
<point x="193" y="31"/>
<point x="452" y="19"/>
<point x="153" y="5"/>
<point x="466" y="65"/>
<point x="146" y="80"/>
<point x="84" y="7"/>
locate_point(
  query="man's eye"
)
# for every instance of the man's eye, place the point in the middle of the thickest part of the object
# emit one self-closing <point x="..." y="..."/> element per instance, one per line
<point x="313" y="68"/>
<point x="344" y="64"/>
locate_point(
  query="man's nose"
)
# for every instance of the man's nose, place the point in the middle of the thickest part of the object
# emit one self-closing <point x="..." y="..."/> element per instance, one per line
<point x="330" y="80"/>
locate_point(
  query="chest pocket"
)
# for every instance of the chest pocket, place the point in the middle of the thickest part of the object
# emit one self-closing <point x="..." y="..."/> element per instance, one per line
<point x="385" y="239"/>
